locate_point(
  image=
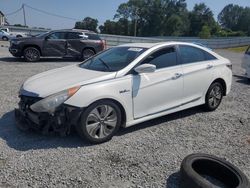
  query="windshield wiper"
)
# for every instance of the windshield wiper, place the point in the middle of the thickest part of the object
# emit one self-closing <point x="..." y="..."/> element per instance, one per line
<point x="105" y="64"/>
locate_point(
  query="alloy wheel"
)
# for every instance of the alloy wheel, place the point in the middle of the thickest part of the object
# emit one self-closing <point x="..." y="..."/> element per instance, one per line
<point x="101" y="121"/>
<point x="215" y="96"/>
<point x="31" y="54"/>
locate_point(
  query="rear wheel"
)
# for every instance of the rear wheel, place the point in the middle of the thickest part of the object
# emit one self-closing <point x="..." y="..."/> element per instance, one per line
<point x="31" y="54"/>
<point x="87" y="53"/>
<point x="5" y="38"/>
<point x="100" y="121"/>
<point x="214" y="96"/>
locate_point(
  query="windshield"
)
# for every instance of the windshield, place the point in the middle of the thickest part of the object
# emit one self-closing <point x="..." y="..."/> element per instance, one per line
<point x="113" y="59"/>
<point x="42" y="34"/>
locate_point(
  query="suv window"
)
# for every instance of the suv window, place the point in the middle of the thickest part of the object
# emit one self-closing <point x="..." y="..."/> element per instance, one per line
<point x="93" y="36"/>
<point x="191" y="54"/>
<point x="57" y="35"/>
<point x="74" y="35"/>
<point x="166" y="57"/>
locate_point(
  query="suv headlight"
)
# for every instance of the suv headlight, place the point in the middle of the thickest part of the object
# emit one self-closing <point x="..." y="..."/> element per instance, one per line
<point x="50" y="103"/>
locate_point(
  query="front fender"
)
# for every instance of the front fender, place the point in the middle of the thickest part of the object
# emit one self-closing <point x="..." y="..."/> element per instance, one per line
<point x="118" y="89"/>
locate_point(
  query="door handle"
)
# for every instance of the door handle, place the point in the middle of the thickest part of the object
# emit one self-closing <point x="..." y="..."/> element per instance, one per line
<point x="209" y="66"/>
<point x="176" y="76"/>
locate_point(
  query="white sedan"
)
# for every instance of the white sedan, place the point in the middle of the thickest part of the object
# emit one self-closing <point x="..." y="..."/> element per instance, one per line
<point x="246" y="62"/>
<point x="123" y="86"/>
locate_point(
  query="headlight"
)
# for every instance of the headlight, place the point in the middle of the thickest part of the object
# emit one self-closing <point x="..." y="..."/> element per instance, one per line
<point x="49" y="104"/>
<point x="15" y="42"/>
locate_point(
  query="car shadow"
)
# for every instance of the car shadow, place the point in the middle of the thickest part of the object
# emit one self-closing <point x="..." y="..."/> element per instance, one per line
<point x="173" y="180"/>
<point x="24" y="141"/>
<point x="163" y="119"/>
<point x="42" y="60"/>
<point x="242" y="79"/>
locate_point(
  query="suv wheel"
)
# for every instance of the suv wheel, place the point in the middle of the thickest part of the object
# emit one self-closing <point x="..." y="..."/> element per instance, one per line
<point x="31" y="54"/>
<point x="5" y="38"/>
<point x="100" y="121"/>
<point x="214" y="96"/>
<point x="87" y="53"/>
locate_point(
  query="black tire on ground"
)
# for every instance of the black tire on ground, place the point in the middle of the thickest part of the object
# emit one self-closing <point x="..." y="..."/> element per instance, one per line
<point x="5" y="38"/>
<point x="214" y="96"/>
<point x="82" y="126"/>
<point x="207" y="171"/>
<point x="31" y="54"/>
<point x="87" y="53"/>
<point x="19" y="36"/>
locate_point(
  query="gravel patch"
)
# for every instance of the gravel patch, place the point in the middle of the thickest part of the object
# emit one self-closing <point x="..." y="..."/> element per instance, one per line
<point x="145" y="155"/>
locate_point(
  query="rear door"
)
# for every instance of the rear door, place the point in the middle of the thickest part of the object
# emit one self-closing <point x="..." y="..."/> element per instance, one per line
<point x="198" y="66"/>
<point x="75" y="44"/>
<point x="55" y="44"/>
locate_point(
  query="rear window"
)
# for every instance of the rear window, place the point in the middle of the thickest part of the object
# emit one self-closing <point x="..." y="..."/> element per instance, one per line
<point x="92" y="36"/>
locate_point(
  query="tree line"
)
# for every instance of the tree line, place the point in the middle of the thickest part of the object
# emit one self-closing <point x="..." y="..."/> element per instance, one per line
<point x="149" y="18"/>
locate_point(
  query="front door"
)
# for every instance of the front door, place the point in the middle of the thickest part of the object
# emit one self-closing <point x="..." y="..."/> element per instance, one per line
<point x="161" y="90"/>
<point x="55" y="44"/>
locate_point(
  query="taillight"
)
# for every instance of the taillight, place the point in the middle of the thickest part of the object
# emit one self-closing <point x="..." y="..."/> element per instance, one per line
<point x="104" y="44"/>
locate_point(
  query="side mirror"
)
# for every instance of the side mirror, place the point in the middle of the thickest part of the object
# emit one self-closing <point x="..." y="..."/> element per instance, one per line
<point x="145" y="68"/>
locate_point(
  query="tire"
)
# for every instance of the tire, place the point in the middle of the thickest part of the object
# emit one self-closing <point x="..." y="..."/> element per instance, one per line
<point x="207" y="171"/>
<point x="19" y="36"/>
<point x="214" y="96"/>
<point x="31" y="54"/>
<point x="5" y="38"/>
<point x="95" y="130"/>
<point x="87" y="53"/>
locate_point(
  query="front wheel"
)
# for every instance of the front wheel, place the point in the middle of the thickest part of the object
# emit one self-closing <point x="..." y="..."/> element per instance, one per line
<point x="99" y="122"/>
<point x="31" y="54"/>
<point x="214" y="96"/>
<point x="5" y="38"/>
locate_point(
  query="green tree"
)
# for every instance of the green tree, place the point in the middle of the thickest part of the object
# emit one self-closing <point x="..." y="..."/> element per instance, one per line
<point x="205" y="32"/>
<point x="201" y="15"/>
<point x="87" y="23"/>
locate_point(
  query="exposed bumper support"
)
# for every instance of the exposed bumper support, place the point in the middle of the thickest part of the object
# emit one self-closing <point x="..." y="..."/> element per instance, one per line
<point x="61" y="122"/>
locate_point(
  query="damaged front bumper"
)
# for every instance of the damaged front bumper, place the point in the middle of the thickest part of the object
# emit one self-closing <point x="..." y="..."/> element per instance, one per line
<point x="60" y="122"/>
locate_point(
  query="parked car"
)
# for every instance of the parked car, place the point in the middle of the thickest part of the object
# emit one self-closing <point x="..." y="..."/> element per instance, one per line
<point x="58" y="43"/>
<point x="246" y="62"/>
<point x="14" y="34"/>
<point x="5" y="35"/>
<point x="123" y="86"/>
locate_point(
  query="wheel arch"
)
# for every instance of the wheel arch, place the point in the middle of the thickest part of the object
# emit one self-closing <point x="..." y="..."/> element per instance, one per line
<point x="123" y="111"/>
<point x="223" y="83"/>
<point x="88" y="47"/>
<point x="32" y="45"/>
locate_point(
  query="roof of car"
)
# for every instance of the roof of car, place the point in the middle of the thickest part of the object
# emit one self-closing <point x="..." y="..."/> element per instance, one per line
<point x="73" y="30"/>
<point x="150" y="45"/>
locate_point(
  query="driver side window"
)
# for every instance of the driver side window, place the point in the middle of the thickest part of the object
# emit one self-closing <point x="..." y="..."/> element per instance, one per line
<point x="162" y="58"/>
<point x="57" y="36"/>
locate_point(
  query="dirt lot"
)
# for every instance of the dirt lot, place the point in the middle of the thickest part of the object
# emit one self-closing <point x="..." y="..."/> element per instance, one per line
<point x="146" y="155"/>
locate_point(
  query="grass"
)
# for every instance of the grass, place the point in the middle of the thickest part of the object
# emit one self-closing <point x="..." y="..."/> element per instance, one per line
<point x="240" y="49"/>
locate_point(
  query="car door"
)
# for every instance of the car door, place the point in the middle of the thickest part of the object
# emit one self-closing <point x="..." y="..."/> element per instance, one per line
<point x="75" y="44"/>
<point x="55" y="44"/>
<point x="161" y="90"/>
<point x="198" y="66"/>
<point x="246" y="61"/>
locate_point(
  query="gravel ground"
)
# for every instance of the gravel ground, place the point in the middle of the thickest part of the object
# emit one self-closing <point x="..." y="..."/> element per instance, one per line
<point x="145" y="155"/>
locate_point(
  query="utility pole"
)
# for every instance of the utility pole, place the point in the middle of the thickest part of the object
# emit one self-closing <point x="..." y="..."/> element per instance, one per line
<point x="24" y="17"/>
<point x="136" y="16"/>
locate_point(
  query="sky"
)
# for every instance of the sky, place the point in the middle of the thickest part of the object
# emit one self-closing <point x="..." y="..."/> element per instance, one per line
<point x="79" y="9"/>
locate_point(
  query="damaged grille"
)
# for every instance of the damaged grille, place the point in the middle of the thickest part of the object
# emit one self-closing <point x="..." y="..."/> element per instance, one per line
<point x="26" y="101"/>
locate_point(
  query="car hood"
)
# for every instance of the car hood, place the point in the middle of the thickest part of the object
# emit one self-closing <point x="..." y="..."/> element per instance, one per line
<point x="56" y="80"/>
